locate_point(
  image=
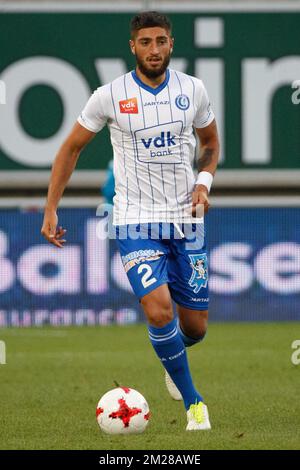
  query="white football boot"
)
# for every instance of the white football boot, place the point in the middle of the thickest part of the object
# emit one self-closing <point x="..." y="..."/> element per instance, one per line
<point x="172" y="389"/>
<point x="197" y="417"/>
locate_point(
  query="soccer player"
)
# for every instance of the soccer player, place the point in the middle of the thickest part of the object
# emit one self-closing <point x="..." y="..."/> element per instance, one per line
<point x="152" y="113"/>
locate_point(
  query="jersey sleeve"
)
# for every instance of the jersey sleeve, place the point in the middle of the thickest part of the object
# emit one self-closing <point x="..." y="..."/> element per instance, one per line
<point x="204" y="113"/>
<point x="92" y="116"/>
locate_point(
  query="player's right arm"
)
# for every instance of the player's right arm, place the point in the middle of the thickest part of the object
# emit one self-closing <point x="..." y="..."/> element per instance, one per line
<point x="63" y="166"/>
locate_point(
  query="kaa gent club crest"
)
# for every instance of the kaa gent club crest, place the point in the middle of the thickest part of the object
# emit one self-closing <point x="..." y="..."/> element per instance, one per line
<point x="199" y="275"/>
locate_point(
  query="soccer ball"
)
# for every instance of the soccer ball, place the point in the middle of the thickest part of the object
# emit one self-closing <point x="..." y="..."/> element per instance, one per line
<point x="122" y="411"/>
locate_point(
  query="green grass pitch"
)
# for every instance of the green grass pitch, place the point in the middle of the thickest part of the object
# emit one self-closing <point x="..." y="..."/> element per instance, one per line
<point x="54" y="377"/>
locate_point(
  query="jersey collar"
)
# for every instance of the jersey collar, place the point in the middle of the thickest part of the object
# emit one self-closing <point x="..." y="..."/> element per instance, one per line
<point x="152" y="90"/>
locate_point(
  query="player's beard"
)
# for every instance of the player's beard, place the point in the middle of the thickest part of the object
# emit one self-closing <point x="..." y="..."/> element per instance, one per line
<point x="152" y="73"/>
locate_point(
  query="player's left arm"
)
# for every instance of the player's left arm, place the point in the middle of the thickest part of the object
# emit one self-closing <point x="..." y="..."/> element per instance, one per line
<point x="208" y="162"/>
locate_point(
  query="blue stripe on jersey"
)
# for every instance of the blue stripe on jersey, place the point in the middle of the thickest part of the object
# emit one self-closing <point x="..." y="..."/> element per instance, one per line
<point x="180" y="148"/>
<point x="193" y="95"/>
<point x="170" y="104"/>
<point x="142" y="106"/>
<point x="161" y="166"/>
<point x="134" y="151"/>
<point x="148" y="165"/>
<point x="154" y="91"/>
<point x="186" y="178"/>
<point x="194" y="104"/>
<point x="181" y="94"/>
<point x="157" y="115"/>
<point x="127" y="185"/>
<point x="113" y="103"/>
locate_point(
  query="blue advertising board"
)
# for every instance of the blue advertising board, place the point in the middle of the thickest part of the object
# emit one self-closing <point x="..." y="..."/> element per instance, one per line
<point x="254" y="268"/>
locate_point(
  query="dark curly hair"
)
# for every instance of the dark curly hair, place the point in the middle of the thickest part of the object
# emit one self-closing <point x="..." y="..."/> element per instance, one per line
<point x="149" y="19"/>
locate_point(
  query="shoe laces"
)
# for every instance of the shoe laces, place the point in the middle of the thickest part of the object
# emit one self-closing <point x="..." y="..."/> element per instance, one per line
<point x="197" y="412"/>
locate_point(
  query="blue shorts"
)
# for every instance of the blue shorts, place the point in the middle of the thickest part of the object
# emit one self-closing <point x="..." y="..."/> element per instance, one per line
<point x="166" y="253"/>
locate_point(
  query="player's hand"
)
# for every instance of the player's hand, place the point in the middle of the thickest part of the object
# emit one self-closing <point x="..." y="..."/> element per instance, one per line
<point x="200" y="201"/>
<point x="50" y="231"/>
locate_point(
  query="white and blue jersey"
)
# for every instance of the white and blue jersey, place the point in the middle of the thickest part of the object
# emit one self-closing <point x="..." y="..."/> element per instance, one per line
<point x="152" y="136"/>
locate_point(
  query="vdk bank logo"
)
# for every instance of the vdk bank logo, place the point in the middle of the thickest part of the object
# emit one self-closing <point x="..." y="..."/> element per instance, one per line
<point x="129" y="106"/>
<point x="166" y="139"/>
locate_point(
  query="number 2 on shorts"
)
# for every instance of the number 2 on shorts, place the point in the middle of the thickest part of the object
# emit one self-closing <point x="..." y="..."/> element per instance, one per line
<point x="146" y="281"/>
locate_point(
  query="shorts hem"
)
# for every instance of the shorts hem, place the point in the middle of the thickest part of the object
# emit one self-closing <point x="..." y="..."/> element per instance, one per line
<point x="191" y="307"/>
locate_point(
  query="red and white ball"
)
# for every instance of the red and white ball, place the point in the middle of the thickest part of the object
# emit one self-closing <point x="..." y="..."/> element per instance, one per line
<point x="122" y="411"/>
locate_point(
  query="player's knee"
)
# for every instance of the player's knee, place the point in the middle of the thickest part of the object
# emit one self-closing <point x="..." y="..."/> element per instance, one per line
<point x="201" y="335"/>
<point x="201" y="332"/>
<point x="202" y="329"/>
<point x="197" y="331"/>
<point x="158" y="307"/>
<point x="196" y="334"/>
<point x="158" y="314"/>
<point x="160" y="317"/>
